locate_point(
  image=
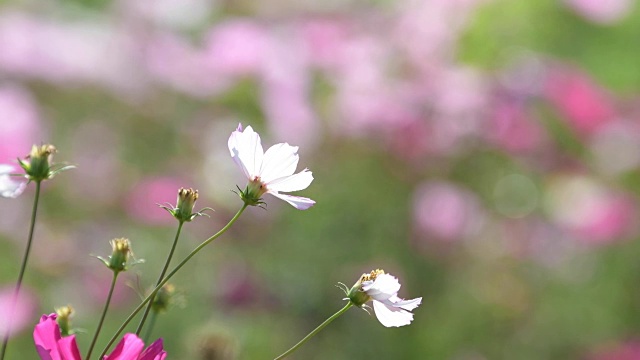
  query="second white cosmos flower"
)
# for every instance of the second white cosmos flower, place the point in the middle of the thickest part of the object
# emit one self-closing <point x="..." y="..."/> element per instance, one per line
<point x="382" y="289"/>
<point x="270" y="172"/>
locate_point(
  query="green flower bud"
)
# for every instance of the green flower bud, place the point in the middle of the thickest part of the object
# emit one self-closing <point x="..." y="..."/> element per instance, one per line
<point x="39" y="164"/>
<point x="64" y="315"/>
<point x="121" y="256"/>
<point x="163" y="298"/>
<point x="184" y="207"/>
<point x="183" y="211"/>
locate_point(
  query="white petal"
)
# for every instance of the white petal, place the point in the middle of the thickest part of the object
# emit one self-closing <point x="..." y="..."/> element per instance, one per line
<point x="405" y="304"/>
<point x="382" y="288"/>
<point x="9" y="188"/>
<point x="390" y="316"/>
<point x="299" y="181"/>
<point x="279" y="161"/>
<point x="298" y="202"/>
<point x="246" y="150"/>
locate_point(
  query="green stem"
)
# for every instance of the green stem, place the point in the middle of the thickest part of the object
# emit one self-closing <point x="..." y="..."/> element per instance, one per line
<point x="104" y="313"/>
<point x="166" y="279"/>
<point x="315" y="331"/>
<point x="164" y="271"/>
<point x="23" y="267"/>
<point x="152" y="323"/>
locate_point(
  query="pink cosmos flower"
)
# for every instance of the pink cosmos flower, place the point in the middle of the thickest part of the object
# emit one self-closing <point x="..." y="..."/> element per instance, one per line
<point x="20" y="125"/>
<point x="581" y="102"/>
<point x="15" y="315"/>
<point x="269" y="172"/>
<point x="602" y="12"/>
<point x="51" y="345"/>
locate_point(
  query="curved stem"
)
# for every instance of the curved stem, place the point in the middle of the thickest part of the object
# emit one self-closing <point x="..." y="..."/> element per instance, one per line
<point x="104" y="313"/>
<point x="164" y="271"/>
<point x="315" y="331"/>
<point x="23" y="267"/>
<point x="166" y="279"/>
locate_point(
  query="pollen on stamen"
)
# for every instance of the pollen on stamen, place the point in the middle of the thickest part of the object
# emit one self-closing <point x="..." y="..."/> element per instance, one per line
<point x="372" y="276"/>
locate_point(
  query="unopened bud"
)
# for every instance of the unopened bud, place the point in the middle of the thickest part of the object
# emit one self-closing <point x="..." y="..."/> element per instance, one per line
<point x="121" y="256"/>
<point x="64" y="315"/>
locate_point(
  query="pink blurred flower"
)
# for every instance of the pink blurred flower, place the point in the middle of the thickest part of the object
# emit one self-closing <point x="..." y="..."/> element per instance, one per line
<point x="629" y="350"/>
<point x="144" y="197"/>
<point x="52" y="346"/>
<point x="598" y="11"/>
<point x="20" y="124"/>
<point x="15" y="315"/>
<point x="325" y="42"/>
<point x="285" y="93"/>
<point x="67" y="52"/>
<point x="513" y="128"/>
<point x="580" y="101"/>
<point x="592" y="213"/>
<point x="173" y="61"/>
<point x="445" y="212"/>
<point x="237" y="47"/>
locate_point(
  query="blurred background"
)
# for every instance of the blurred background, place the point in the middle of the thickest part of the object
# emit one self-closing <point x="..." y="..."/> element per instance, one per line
<point x="486" y="152"/>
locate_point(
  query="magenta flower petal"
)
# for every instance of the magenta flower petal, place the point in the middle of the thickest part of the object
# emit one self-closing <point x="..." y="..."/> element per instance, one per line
<point x="68" y="348"/>
<point x="46" y="335"/>
<point x="128" y="348"/>
<point x="155" y="351"/>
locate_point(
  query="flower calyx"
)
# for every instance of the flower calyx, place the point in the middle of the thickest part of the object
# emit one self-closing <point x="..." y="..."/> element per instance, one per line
<point x="252" y="193"/>
<point x="122" y="257"/>
<point x="39" y="166"/>
<point x="183" y="211"/>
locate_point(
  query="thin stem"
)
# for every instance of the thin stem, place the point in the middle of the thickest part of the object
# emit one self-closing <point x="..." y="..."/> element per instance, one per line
<point x="164" y="271"/>
<point x="315" y="331"/>
<point x="152" y="323"/>
<point x="166" y="279"/>
<point x="23" y="267"/>
<point x="104" y="313"/>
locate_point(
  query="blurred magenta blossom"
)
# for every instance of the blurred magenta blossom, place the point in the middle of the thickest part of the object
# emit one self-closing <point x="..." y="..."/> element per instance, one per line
<point x="627" y="350"/>
<point x="581" y="102"/>
<point x="141" y="203"/>
<point x="15" y="316"/>
<point x="445" y="212"/>
<point x="20" y="123"/>
<point x="603" y="12"/>
<point x="589" y="211"/>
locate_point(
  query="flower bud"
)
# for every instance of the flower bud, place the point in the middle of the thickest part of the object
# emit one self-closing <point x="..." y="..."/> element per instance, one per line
<point x="121" y="256"/>
<point x="163" y="298"/>
<point x="186" y="201"/>
<point x="37" y="164"/>
<point x="183" y="211"/>
<point x="64" y="315"/>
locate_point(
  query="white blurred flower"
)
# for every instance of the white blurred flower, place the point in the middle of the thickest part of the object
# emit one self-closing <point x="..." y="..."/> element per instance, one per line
<point x="269" y="172"/>
<point x="382" y="289"/>
<point x="9" y="188"/>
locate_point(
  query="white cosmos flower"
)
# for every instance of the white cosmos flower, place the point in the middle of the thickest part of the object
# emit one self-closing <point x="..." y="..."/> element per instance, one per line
<point x="382" y="289"/>
<point x="9" y="188"/>
<point x="270" y="172"/>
